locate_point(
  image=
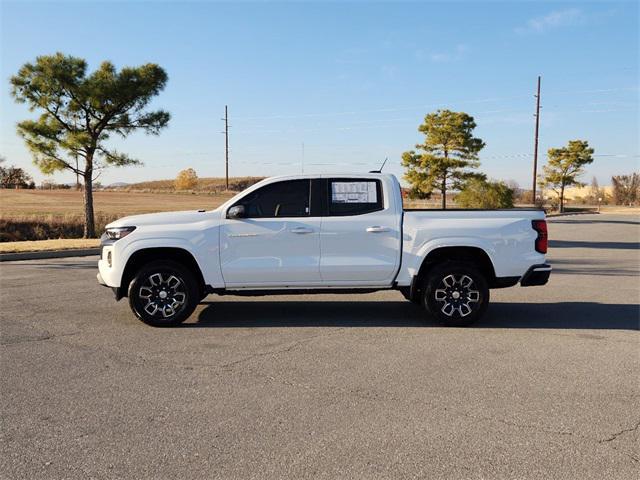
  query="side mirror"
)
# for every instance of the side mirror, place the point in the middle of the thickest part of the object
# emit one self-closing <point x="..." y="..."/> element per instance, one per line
<point x="236" y="212"/>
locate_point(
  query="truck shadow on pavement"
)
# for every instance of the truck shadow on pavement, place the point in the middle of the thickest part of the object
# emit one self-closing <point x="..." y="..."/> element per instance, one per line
<point x="264" y="314"/>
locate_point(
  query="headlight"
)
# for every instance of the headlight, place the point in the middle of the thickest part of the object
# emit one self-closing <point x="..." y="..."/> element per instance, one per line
<point x="117" y="233"/>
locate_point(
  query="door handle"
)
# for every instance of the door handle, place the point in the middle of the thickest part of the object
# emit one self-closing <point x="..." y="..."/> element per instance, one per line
<point x="377" y="229"/>
<point x="301" y="230"/>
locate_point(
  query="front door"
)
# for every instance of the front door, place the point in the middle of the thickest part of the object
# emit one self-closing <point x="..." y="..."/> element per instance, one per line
<point x="276" y="243"/>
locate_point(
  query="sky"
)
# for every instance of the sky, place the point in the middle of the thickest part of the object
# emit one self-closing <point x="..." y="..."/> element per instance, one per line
<point x="321" y="87"/>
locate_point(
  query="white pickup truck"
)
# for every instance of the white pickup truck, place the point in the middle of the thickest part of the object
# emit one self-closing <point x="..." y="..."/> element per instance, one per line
<point x="322" y="234"/>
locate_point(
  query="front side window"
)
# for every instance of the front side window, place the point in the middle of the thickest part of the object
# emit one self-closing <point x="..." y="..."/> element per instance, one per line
<point x="281" y="199"/>
<point x="354" y="196"/>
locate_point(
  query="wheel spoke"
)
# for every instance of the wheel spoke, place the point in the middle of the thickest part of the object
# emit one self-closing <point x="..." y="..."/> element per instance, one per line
<point x="449" y="281"/>
<point x="147" y="292"/>
<point x="155" y="279"/>
<point x="448" y="309"/>
<point x="151" y="308"/>
<point x="173" y="282"/>
<point x="473" y="296"/>
<point x="466" y="281"/>
<point x="441" y="295"/>
<point x="179" y="298"/>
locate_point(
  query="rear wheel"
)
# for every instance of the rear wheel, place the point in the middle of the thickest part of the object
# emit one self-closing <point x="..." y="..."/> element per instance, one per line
<point x="456" y="293"/>
<point x="163" y="293"/>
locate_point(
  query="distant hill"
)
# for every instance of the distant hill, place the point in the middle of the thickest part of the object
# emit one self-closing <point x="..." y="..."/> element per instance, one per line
<point x="205" y="185"/>
<point x="117" y="185"/>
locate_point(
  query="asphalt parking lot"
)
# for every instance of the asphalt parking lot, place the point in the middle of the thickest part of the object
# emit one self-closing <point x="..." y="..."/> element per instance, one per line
<point x="546" y="386"/>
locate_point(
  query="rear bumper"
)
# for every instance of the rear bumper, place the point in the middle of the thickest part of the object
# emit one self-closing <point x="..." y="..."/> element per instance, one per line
<point x="536" y="275"/>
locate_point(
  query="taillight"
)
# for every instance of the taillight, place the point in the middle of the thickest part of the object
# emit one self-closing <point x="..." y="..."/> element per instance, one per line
<point x="542" y="240"/>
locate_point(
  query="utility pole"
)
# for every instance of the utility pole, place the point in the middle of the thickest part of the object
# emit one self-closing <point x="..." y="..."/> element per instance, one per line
<point x="226" y="147"/>
<point x="535" y="148"/>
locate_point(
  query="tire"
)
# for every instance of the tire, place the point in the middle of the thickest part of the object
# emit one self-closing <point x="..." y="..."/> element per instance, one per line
<point x="456" y="293"/>
<point x="163" y="293"/>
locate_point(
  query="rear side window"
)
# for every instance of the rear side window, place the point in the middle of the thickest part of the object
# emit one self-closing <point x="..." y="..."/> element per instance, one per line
<point x="353" y="196"/>
<point x="281" y="199"/>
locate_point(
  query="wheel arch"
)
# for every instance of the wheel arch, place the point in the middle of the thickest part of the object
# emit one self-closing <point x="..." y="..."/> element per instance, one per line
<point x="145" y="255"/>
<point x="438" y="255"/>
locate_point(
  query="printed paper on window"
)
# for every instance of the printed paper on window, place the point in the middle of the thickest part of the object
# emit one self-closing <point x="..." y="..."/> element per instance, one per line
<point x="354" y="192"/>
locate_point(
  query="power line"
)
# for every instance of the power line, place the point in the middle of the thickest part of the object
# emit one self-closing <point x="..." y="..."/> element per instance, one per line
<point x="432" y="105"/>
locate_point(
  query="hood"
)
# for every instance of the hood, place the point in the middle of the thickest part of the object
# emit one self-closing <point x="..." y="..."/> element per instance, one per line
<point x="163" y="218"/>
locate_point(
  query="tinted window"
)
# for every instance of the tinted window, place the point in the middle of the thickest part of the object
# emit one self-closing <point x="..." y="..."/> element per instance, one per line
<point x="353" y="196"/>
<point x="280" y="199"/>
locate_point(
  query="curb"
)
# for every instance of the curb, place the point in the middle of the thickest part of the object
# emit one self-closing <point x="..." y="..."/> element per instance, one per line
<point x="566" y="214"/>
<point x="84" y="252"/>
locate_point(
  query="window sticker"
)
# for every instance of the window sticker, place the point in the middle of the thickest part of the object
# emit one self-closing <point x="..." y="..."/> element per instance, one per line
<point x="354" y="192"/>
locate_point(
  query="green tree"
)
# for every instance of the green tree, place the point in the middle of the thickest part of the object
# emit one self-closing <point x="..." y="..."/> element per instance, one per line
<point x="478" y="193"/>
<point x="444" y="160"/>
<point x="564" y="166"/>
<point x="187" y="179"/>
<point x="80" y="113"/>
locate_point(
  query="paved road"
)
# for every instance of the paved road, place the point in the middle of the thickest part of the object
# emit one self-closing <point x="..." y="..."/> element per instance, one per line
<point x="546" y="386"/>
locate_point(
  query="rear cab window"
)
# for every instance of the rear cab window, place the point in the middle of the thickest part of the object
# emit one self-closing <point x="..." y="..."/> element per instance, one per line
<point x="353" y="196"/>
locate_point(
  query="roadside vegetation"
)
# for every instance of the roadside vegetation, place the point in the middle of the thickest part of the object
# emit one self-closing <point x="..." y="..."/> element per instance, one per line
<point x="211" y="185"/>
<point x="479" y="193"/>
<point x="53" y="214"/>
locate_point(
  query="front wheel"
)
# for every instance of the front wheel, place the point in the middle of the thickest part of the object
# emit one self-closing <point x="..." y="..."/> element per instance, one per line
<point x="456" y="293"/>
<point x="163" y="294"/>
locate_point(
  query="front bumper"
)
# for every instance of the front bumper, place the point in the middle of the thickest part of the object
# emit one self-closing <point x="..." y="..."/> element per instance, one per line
<point x="117" y="291"/>
<point x="107" y="276"/>
<point x="536" y="275"/>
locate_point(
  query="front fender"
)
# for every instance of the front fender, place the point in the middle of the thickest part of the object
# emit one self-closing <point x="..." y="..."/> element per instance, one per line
<point x="203" y="248"/>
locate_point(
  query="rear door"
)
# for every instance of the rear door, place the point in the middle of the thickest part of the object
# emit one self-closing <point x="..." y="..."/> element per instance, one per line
<point x="360" y="234"/>
<point x="277" y="243"/>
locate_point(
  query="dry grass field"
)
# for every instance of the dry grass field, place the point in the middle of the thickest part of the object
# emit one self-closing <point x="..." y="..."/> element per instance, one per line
<point x="28" y="203"/>
<point x="46" y="245"/>
<point x="51" y="214"/>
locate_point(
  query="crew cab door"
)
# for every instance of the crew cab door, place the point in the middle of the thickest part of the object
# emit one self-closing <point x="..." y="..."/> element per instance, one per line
<point x="360" y="234"/>
<point x="277" y="242"/>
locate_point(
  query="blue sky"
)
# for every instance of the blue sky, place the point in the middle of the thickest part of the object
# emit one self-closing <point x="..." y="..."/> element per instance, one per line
<point x="349" y="81"/>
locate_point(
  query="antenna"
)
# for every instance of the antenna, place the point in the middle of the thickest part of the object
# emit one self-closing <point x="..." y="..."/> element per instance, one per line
<point x="381" y="166"/>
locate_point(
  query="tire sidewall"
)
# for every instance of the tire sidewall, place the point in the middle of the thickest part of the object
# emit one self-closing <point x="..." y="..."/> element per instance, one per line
<point x="437" y="274"/>
<point x="164" y="266"/>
